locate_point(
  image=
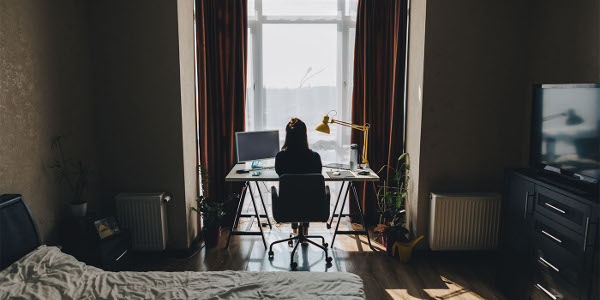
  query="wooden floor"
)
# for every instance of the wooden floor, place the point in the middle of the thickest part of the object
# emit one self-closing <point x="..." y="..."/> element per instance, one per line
<point x="427" y="276"/>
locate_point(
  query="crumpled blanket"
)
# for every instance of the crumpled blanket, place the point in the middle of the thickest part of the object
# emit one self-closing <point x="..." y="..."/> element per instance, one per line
<point x="48" y="273"/>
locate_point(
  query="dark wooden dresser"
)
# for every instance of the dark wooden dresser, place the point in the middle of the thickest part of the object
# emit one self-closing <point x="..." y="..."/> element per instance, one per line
<point x="549" y="240"/>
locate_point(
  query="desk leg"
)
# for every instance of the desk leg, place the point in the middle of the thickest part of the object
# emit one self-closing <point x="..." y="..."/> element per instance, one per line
<point x="263" y="205"/>
<point x="336" y="205"/>
<point x="262" y="234"/>
<point x="337" y="226"/>
<point x="362" y="218"/>
<point x="238" y="213"/>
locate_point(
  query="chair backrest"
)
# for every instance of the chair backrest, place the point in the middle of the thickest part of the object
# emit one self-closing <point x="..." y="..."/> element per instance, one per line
<point x="301" y="199"/>
<point x="18" y="232"/>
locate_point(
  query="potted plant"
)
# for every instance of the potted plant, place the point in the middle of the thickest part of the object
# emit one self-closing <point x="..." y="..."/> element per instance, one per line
<point x="391" y="200"/>
<point x="74" y="174"/>
<point x="211" y="210"/>
<point x="212" y="216"/>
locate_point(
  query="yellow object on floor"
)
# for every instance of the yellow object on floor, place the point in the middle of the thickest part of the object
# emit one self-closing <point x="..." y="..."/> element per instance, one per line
<point x="405" y="249"/>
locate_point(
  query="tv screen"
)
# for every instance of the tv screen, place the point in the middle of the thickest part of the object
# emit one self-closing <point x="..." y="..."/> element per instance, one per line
<point x="566" y="128"/>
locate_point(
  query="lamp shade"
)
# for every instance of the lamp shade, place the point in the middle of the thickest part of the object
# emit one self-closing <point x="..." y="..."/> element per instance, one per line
<point x="323" y="127"/>
<point x="573" y="118"/>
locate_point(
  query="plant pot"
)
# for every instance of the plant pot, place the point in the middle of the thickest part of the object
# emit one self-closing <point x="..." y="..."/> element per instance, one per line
<point x="212" y="236"/>
<point x="78" y="210"/>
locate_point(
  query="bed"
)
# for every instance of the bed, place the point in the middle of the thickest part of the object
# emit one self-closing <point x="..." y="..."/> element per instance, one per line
<point x="45" y="272"/>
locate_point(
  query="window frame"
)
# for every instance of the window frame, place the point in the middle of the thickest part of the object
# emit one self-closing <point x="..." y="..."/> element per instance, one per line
<point x="344" y="23"/>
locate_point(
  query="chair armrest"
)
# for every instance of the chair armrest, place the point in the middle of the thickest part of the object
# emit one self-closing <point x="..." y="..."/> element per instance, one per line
<point x="327" y="194"/>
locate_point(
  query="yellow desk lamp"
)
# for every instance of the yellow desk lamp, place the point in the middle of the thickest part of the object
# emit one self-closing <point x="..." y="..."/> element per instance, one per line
<point x="324" y="127"/>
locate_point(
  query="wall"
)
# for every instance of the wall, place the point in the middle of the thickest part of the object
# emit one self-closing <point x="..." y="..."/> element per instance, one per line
<point x="44" y="91"/>
<point x="141" y="118"/>
<point x="565" y="41"/>
<point x="414" y="107"/>
<point x="187" y="75"/>
<point x="479" y="62"/>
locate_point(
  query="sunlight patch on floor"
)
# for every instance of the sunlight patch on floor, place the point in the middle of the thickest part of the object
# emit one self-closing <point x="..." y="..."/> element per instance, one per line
<point x="453" y="291"/>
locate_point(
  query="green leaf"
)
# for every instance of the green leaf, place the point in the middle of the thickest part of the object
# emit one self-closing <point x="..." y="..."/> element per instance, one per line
<point x="402" y="156"/>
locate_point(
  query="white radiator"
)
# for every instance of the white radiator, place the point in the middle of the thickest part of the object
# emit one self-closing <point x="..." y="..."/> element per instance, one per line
<point x="464" y="221"/>
<point x="145" y="216"/>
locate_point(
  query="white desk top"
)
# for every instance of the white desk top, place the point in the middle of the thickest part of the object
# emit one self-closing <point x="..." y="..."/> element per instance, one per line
<point x="271" y="175"/>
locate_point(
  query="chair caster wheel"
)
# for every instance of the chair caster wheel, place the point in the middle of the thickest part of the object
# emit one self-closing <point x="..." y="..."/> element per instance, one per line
<point x="325" y="245"/>
<point x="328" y="264"/>
<point x="294" y="265"/>
<point x="328" y="226"/>
<point x="291" y="243"/>
<point x="271" y="255"/>
<point x="328" y="260"/>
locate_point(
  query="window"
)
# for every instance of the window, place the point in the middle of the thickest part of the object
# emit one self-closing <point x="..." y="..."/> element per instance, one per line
<point x="300" y="59"/>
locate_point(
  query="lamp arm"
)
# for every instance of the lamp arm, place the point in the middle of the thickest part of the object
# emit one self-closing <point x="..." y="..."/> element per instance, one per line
<point x="354" y="126"/>
<point x="550" y="117"/>
<point x="363" y="128"/>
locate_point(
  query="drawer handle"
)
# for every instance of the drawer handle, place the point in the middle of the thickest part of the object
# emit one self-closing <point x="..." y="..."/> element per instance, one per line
<point x="525" y="211"/>
<point x="539" y="286"/>
<point x="555" y="208"/>
<point x="585" y="236"/>
<point x="545" y="262"/>
<point x="527" y="195"/>
<point x="551" y="236"/>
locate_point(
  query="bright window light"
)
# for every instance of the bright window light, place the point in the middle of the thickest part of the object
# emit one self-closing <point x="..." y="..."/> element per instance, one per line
<point x="300" y="59"/>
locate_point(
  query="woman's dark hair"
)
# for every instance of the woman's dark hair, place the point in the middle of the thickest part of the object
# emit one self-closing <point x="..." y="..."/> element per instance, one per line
<point x="295" y="136"/>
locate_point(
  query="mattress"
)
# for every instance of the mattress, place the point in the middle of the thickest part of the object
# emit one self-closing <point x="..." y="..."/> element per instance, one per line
<point x="48" y="273"/>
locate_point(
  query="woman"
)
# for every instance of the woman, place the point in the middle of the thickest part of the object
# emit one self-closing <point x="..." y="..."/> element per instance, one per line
<point x="295" y="157"/>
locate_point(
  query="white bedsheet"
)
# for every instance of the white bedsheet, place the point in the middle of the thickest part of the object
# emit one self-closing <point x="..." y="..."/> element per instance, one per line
<point x="48" y="273"/>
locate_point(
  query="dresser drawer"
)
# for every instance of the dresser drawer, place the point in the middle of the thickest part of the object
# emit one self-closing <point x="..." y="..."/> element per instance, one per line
<point x="564" y="210"/>
<point x="547" y="287"/>
<point x="550" y="234"/>
<point x="552" y="261"/>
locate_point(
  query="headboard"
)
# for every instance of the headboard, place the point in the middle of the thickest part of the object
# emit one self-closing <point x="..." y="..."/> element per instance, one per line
<point x="18" y="233"/>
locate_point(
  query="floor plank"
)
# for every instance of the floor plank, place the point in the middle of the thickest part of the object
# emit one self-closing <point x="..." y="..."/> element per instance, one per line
<point x="427" y="276"/>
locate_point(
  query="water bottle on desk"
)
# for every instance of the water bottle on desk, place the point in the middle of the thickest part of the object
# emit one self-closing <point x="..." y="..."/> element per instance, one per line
<point x="353" y="157"/>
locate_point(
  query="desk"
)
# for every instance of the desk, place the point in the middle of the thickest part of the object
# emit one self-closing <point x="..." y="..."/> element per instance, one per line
<point x="269" y="174"/>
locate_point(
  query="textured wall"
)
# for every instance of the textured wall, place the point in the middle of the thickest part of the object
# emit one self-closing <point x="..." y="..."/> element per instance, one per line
<point x="475" y="89"/>
<point x="138" y="106"/>
<point x="480" y="60"/>
<point x="44" y="91"/>
<point x="565" y="41"/>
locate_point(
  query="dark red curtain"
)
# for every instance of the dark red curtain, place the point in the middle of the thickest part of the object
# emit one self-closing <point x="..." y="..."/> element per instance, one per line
<point x="378" y="93"/>
<point x="222" y="32"/>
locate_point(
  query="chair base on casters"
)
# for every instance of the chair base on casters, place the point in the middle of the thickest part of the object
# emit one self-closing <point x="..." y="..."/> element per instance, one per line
<point x="301" y="238"/>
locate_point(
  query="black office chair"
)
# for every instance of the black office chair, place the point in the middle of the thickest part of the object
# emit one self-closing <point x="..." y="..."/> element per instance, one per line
<point x="302" y="198"/>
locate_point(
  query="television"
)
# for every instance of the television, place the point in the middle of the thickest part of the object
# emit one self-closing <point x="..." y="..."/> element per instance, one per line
<point x="566" y="130"/>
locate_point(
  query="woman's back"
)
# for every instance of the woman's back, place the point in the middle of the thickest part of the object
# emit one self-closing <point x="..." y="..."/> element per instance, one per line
<point x="297" y="162"/>
<point x="296" y="157"/>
